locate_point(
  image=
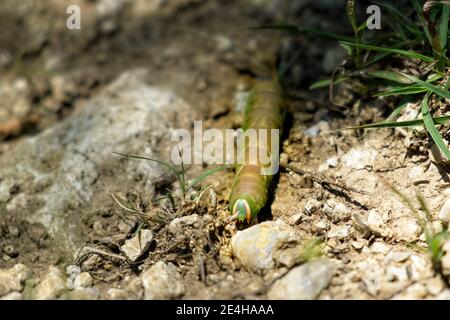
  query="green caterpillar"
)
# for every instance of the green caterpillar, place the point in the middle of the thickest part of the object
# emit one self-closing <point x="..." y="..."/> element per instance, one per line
<point x="265" y="109"/>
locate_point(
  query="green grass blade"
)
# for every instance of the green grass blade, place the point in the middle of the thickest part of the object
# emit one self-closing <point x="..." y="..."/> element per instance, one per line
<point x="326" y="82"/>
<point x="123" y="206"/>
<point x="391" y="76"/>
<point x="447" y="84"/>
<point x="378" y="57"/>
<point x="171" y="199"/>
<point x="419" y="12"/>
<point x="362" y="27"/>
<point x="163" y="163"/>
<point x="399" y="124"/>
<point x="430" y="125"/>
<point x="405" y="53"/>
<point x="206" y="174"/>
<point x="401" y="91"/>
<point x="182" y="175"/>
<point x="300" y="29"/>
<point x="435" y="89"/>
<point x="396" y="112"/>
<point x="443" y="27"/>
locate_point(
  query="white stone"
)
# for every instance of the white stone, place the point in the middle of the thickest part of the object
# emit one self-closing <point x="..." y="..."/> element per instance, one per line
<point x="339" y="232"/>
<point x="435" y="286"/>
<point x="12" y="296"/>
<point x="118" y="294"/>
<point x="417" y="174"/>
<point x="304" y="282"/>
<point x="13" y="279"/>
<point x="444" y="213"/>
<point x="406" y="228"/>
<point x="316" y="129"/>
<point x="358" y="245"/>
<point x="380" y="247"/>
<point x="84" y="280"/>
<point x="421" y="267"/>
<point x="321" y="225"/>
<point x="359" y="158"/>
<point x="397" y="256"/>
<point x="394" y="273"/>
<point x="135" y="247"/>
<point x="374" y="219"/>
<point x="332" y="162"/>
<point x="311" y="206"/>
<point x="177" y="224"/>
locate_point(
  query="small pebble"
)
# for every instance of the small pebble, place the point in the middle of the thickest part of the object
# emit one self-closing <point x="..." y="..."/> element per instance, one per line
<point x="444" y="213"/>
<point x="118" y="294"/>
<point x="13" y="231"/>
<point x="397" y="256"/>
<point x="295" y="219"/>
<point x="332" y="162"/>
<point x="339" y="232"/>
<point x="311" y="206"/>
<point x="176" y="225"/>
<point x="380" y="247"/>
<point x="358" y="159"/>
<point x="138" y="245"/>
<point x="85" y="280"/>
<point x="435" y="286"/>
<point x="407" y="229"/>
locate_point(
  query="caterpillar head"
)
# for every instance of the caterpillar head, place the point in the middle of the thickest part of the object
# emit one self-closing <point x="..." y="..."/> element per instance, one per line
<point x="242" y="210"/>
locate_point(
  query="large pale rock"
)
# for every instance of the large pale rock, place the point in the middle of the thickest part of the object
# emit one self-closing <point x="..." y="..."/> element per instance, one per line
<point x="69" y="169"/>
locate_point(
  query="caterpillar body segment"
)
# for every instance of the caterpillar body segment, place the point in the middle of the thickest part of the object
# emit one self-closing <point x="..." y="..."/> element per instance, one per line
<point x="265" y="109"/>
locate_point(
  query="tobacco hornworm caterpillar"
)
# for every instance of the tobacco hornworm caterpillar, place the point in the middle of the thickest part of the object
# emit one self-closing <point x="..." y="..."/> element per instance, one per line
<point x="265" y="109"/>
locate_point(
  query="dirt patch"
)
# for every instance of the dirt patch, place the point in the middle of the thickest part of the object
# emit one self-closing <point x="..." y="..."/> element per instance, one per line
<point x="332" y="185"/>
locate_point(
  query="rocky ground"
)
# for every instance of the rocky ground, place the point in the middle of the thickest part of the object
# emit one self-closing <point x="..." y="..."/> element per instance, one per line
<point x="138" y="70"/>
